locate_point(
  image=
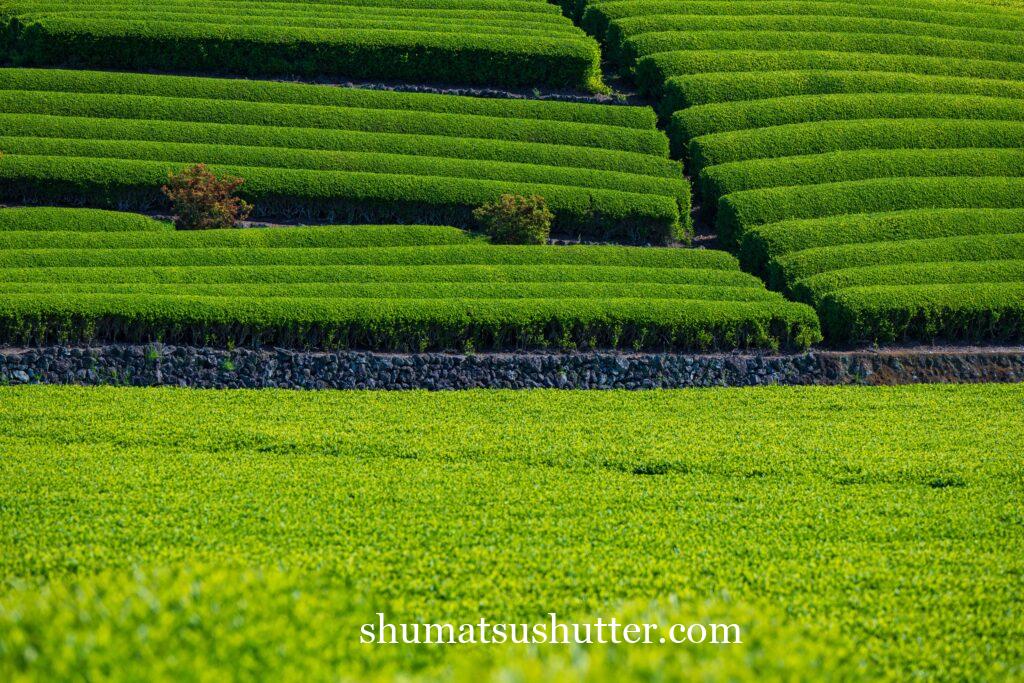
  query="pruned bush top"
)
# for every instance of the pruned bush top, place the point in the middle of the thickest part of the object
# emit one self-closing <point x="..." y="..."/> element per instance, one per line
<point x="830" y="142"/>
<point x="398" y="288"/>
<point x="524" y="43"/>
<point x="330" y="154"/>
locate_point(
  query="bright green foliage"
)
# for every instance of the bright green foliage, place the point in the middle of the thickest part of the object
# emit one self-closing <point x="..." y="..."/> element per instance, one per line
<point x="972" y="312"/>
<point x="324" y="154"/>
<point x="252" y="533"/>
<point x="808" y="262"/>
<point x="871" y="42"/>
<point x="834" y="136"/>
<point x="654" y="70"/>
<point x="953" y="274"/>
<point x="690" y="91"/>
<point x="762" y="243"/>
<point x="99" y="82"/>
<point x="524" y="43"/>
<point x="741" y="210"/>
<point x="735" y="116"/>
<point x="404" y="288"/>
<point x="40" y="218"/>
<point x="724" y="179"/>
<point x="848" y="135"/>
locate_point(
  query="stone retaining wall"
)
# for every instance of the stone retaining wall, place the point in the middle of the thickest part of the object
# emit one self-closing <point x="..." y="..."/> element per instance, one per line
<point x="219" y="368"/>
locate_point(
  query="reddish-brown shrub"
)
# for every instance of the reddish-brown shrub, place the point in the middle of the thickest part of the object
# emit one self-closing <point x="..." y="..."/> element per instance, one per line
<point x="202" y="201"/>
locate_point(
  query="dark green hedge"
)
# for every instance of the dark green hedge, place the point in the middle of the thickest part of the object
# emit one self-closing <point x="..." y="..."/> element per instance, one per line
<point x="275" y="51"/>
<point x="409" y="325"/>
<point x="342" y="197"/>
<point x="959" y="313"/>
<point x="762" y="243"/>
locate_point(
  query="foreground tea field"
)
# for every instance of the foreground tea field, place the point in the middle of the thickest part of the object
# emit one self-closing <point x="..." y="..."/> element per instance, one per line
<point x="328" y="154"/>
<point x="523" y="43"/>
<point x="81" y="275"/>
<point x="876" y="532"/>
<point x="834" y="122"/>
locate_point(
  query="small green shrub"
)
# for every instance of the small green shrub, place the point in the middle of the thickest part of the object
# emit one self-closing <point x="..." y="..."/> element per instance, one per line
<point x="202" y="201"/>
<point x="515" y="219"/>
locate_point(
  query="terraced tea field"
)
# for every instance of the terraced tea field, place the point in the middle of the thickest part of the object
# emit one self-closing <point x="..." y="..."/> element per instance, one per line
<point x="839" y="114"/>
<point x="405" y="288"/>
<point x="337" y="154"/>
<point x="805" y="177"/>
<point x="522" y="43"/>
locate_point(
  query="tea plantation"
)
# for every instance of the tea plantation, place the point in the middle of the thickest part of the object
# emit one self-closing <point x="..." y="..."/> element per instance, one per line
<point x="391" y="288"/>
<point x="515" y="187"/>
<point x="840" y="113"/>
<point x="349" y="155"/>
<point x="873" y="532"/>
<point x="524" y="43"/>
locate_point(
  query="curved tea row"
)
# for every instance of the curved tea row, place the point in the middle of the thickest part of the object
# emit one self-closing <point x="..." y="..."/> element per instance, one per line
<point x="817" y="116"/>
<point x="79" y="275"/>
<point x="523" y="43"/>
<point x="325" y="154"/>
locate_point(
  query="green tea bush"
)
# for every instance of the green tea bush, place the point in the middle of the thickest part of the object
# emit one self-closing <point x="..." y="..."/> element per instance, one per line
<point x="841" y="145"/>
<point x="761" y="243"/>
<point x="958" y="313"/>
<point x="318" y="154"/>
<point x="654" y="70"/>
<point x="251" y="533"/>
<point x="740" y="210"/>
<point x="233" y="89"/>
<point x="816" y="287"/>
<point x="834" y="136"/>
<point x="63" y="220"/>
<point x="414" y="50"/>
<point x="391" y="288"/>
<point x="834" y="167"/>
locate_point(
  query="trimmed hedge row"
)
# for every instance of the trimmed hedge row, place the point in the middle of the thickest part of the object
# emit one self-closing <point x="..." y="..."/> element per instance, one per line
<point x="258" y="286"/>
<point x="741" y="210"/>
<point x="833" y="167"/>
<point x="444" y="255"/>
<point x="735" y="116"/>
<point x="762" y="243"/>
<point x="407" y="290"/>
<point x="269" y="49"/>
<point x="322" y="154"/>
<point x="391" y="164"/>
<point x="834" y="136"/>
<point x="410" y="325"/>
<point x="680" y="92"/>
<point x="847" y="142"/>
<point x="801" y="264"/>
<point x="815" y="287"/>
<point x="34" y="219"/>
<point x="269" y="92"/>
<point x="671" y="41"/>
<point x="34" y="125"/>
<point x="974" y="312"/>
<point x="344" y="197"/>
<point x="622" y="31"/>
<point x="653" y="70"/>
<point x="424" y="23"/>
<point x="601" y="14"/>
<point x="333" y="236"/>
<point x="164" y="237"/>
<point x="199" y="110"/>
<point x="479" y="271"/>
